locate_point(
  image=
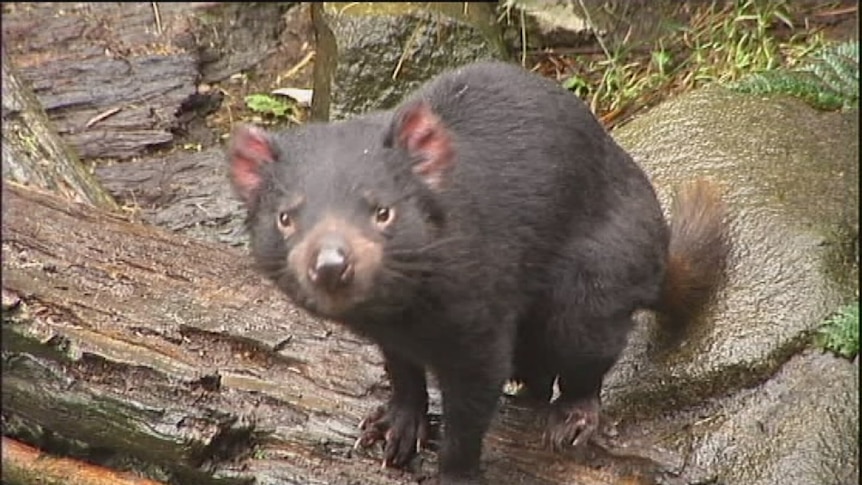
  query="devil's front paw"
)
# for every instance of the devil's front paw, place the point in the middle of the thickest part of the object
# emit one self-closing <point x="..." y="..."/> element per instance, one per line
<point x="571" y="424"/>
<point x="403" y="428"/>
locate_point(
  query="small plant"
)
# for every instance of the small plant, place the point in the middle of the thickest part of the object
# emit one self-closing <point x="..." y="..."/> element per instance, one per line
<point x="827" y="78"/>
<point x="721" y="42"/>
<point x="840" y="332"/>
<point x="730" y="43"/>
<point x="267" y="105"/>
<point x="577" y="85"/>
<point x="661" y="59"/>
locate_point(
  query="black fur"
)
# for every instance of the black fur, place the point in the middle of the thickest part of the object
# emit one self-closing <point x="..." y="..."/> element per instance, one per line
<point x="527" y="263"/>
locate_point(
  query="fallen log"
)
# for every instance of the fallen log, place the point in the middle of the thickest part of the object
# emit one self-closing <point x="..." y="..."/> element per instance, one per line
<point x="110" y="76"/>
<point x="121" y="80"/>
<point x="185" y="192"/>
<point x="25" y="465"/>
<point x="125" y="344"/>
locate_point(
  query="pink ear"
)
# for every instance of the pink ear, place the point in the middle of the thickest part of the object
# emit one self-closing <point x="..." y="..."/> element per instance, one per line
<point x="249" y="149"/>
<point x="422" y="133"/>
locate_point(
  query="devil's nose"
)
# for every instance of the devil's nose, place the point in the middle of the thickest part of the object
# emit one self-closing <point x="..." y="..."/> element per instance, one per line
<point x="331" y="267"/>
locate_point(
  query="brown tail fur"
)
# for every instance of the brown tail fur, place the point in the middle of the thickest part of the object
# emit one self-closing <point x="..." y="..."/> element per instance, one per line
<point x="699" y="246"/>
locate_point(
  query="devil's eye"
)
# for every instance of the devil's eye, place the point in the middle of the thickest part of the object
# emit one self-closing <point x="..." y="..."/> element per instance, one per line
<point x="383" y="215"/>
<point x="284" y="220"/>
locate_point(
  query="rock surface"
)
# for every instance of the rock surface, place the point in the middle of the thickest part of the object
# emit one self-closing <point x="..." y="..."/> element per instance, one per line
<point x="370" y="55"/>
<point x="790" y="175"/>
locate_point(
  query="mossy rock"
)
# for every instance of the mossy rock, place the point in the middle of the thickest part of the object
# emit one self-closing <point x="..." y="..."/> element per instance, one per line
<point x="370" y="55"/>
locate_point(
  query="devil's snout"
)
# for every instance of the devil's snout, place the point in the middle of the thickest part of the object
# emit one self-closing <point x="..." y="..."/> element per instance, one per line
<point x="330" y="266"/>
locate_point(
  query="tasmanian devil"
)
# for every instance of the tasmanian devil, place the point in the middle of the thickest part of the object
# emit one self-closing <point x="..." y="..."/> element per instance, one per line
<point x="488" y="228"/>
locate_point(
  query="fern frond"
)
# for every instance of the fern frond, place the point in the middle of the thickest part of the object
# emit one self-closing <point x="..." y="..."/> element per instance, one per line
<point x="828" y="79"/>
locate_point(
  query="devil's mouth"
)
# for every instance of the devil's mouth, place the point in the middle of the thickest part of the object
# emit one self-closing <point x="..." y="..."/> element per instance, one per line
<point x="330" y="304"/>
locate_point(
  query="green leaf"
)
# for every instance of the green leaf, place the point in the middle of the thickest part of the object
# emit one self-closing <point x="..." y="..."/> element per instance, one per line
<point x="266" y="104"/>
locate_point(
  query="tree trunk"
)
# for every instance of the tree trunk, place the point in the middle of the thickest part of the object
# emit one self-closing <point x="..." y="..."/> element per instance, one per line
<point x="33" y="153"/>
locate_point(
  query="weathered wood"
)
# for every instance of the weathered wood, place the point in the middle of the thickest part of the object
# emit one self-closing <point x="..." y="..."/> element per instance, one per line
<point x="25" y="465"/>
<point x="175" y="353"/>
<point x="34" y="154"/>
<point x="110" y="76"/>
<point x="186" y="192"/>
<point x="119" y="79"/>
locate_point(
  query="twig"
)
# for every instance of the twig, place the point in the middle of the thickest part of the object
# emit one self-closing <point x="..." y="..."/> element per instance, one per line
<point x="523" y="38"/>
<point x="837" y="11"/>
<point x="158" y="17"/>
<point x="585" y="50"/>
<point x="595" y="30"/>
<point x="297" y="67"/>
<point x="99" y="117"/>
<point x="349" y="5"/>
<point x="406" y="51"/>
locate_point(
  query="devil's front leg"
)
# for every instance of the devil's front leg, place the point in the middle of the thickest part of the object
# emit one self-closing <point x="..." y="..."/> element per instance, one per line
<point x="402" y="423"/>
<point x="471" y="382"/>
